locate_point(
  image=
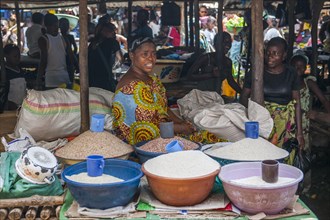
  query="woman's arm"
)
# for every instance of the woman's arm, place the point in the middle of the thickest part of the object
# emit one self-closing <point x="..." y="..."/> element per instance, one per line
<point x="244" y="97"/>
<point x="180" y="126"/>
<point x="194" y="69"/>
<point x="229" y="76"/>
<point x="299" y="132"/>
<point x="316" y="90"/>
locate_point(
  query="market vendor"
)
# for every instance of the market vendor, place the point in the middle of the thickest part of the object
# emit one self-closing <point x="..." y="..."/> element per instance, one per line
<point x="281" y="94"/>
<point x="205" y="69"/>
<point x="140" y="102"/>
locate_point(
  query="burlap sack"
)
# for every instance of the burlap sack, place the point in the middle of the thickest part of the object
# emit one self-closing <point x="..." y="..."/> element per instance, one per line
<point x="53" y="114"/>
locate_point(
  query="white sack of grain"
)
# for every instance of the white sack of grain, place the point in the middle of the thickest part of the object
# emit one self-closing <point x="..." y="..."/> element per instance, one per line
<point x="182" y="164"/>
<point x="227" y="121"/>
<point x="196" y="99"/>
<point x="101" y="143"/>
<point x="53" y="114"/>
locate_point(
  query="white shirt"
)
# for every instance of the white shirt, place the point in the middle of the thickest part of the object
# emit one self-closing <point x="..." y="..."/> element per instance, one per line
<point x="33" y="34"/>
<point x="56" y="70"/>
<point x="209" y="34"/>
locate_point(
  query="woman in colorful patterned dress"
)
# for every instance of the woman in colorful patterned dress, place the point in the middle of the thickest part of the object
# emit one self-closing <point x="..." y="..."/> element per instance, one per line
<point x="140" y="102"/>
<point x="281" y="94"/>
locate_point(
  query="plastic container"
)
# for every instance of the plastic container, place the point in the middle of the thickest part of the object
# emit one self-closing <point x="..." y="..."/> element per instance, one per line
<point x="168" y="71"/>
<point x="183" y="191"/>
<point x="104" y="196"/>
<point x="269" y="199"/>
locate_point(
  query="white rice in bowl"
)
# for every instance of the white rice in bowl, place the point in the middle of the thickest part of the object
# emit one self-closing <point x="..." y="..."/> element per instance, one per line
<point x="103" y="179"/>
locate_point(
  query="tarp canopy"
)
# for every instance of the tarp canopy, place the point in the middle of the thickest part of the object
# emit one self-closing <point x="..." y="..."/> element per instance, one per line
<point x="39" y="4"/>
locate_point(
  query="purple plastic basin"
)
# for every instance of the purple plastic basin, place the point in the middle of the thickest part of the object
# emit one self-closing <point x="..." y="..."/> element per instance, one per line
<point x="255" y="199"/>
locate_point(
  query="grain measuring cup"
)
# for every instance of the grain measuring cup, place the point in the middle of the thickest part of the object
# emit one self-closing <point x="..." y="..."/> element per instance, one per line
<point x="269" y="171"/>
<point x="174" y="146"/>
<point x="95" y="165"/>
<point x="252" y="129"/>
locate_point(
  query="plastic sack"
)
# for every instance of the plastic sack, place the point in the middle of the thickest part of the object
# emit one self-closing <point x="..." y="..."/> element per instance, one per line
<point x="298" y="158"/>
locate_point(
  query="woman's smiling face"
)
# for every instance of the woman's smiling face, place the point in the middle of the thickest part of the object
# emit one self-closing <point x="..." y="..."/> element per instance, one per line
<point x="274" y="56"/>
<point x="144" y="57"/>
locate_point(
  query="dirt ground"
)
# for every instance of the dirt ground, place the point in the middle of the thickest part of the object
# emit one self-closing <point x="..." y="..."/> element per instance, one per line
<point x="318" y="197"/>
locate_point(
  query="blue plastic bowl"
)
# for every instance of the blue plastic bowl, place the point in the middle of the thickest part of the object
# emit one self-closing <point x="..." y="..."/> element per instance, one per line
<point x="146" y="155"/>
<point x="104" y="196"/>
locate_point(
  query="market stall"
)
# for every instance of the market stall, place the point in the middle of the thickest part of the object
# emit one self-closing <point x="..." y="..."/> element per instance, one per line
<point x="201" y="172"/>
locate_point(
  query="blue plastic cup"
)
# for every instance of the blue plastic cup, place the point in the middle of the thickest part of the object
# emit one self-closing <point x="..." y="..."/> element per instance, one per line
<point x="252" y="129"/>
<point x="95" y="165"/>
<point x="174" y="146"/>
<point x="97" y="123"/>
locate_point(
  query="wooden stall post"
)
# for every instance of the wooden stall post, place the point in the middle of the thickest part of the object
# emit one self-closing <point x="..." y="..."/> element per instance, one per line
<point x="191" y="23"/>
<point x="257" y="93"/>
<point x="196" y="10"/>
<point x="83" y="66"/>
<point x="185" y="12"/>
<point x="3" y="70"/>
<point x="317" y="6"/>
<point x="291" y="5"/>
<point x="129" y="8"/>
<point x="219" y="46"/>
<point x="18" y="23"/>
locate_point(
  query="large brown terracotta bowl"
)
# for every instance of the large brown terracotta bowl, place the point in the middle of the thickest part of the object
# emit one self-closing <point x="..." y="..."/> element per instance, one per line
<point x="183" y="191"/>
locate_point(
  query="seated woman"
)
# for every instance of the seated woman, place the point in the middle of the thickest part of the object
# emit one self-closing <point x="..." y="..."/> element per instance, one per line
<point x="15" y="76"/>
<point x="140" y="102"/>
<point x="205" y="69"/>
<point x="281" y="94"/>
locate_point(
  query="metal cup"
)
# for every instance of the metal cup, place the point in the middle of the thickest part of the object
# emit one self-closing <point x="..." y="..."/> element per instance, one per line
<point x="166" y="129"/>
<point x="269" y="171"/>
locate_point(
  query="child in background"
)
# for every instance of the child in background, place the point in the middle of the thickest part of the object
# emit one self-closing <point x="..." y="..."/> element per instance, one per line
<point x="173" y="38"/>
<point x="15" y="76"/>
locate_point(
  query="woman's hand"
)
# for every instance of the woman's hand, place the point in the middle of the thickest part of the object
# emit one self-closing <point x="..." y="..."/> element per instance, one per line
<point x="301" y="141"/>
<point x="184" y="128"/>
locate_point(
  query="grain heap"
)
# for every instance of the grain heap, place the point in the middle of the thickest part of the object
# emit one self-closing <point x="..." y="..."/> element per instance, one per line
<point x="103" y="179"/>
<point x="102" y="143"/>
<point x="182" y="164"/>
<point x="158" y="145"/>
<point x="249" y="149"/>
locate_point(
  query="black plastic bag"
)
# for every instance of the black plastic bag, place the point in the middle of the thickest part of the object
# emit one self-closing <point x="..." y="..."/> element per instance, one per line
<point x="301" y="158"/>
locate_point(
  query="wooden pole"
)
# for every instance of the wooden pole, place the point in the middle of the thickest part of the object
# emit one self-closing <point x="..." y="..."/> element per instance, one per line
<point x="290" y="6"/>
<point x="3" y="214"/>
<point x="31" y="201"/>
<point x="15" y="214"/>
<point x="219" y="46"/>
<point x="46" y="212"/>
<point x="257" y="93"/>
<point x="191" y="23"/>
<point x="129" y="8"/>
<point x="185" y="12"/>
<point x="31" y="213"/>
<point x="83" y="66"/>
<point x="317" y="6"/>
<point x="18" y="23"/>
<point x="196" y="10"/>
